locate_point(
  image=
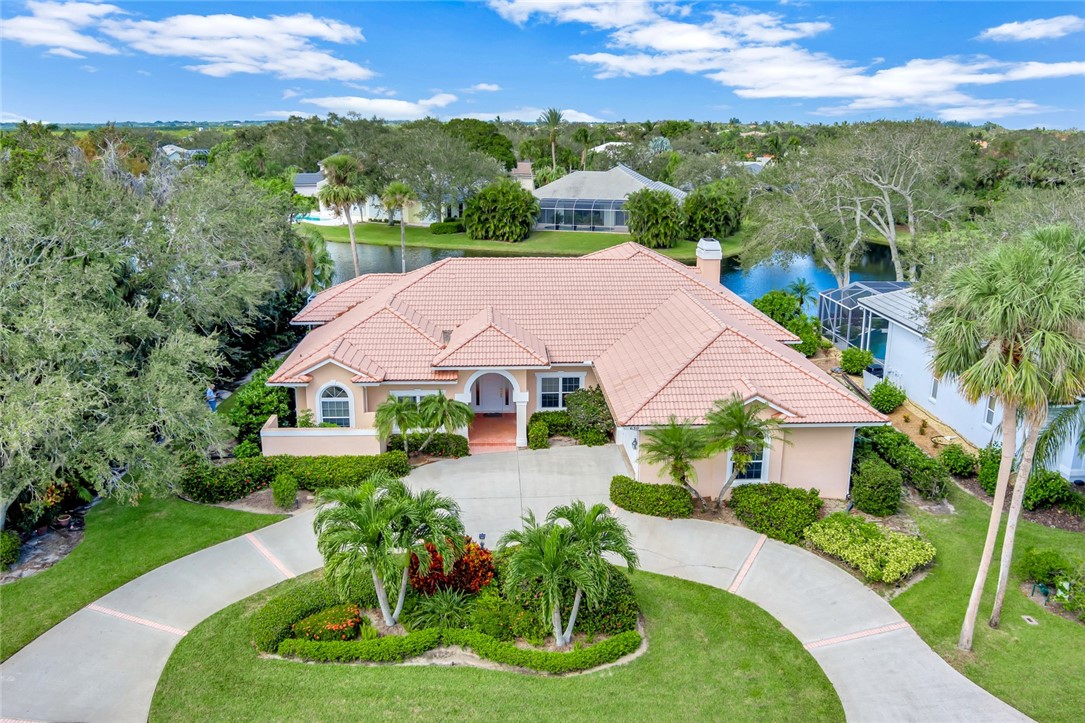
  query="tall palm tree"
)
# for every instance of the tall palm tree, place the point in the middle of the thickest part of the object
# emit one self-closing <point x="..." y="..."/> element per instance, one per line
<point x="987" y="328"/>
<point x="341" y="192"/>
<point x="602" y="534"/>
<point x="436" y="411"/>
<point x="396" y="412"/>
<point x="1055" y="346"/>
<point x="354" y="536"/>
<point x="742" y="430"/>
<point x="802" y="290"/>
<point x="548" y="552"/>
<point x="317" y="267"/>
<point x="552" y="120"/>
<point x="426" y="517"/>
<point x="676" y="445"/>
<point x="396" y="196"/>
<point x="582" y="135"/>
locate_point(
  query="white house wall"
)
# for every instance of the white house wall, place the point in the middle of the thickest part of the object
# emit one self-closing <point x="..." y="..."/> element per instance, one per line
<point x="627" y="437"/>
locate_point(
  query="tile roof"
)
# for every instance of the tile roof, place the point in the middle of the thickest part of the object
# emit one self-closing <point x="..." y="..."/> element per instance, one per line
<point x="489" y="338"/>
<point x="615" y="184"/>
<point x="332" y="302"/>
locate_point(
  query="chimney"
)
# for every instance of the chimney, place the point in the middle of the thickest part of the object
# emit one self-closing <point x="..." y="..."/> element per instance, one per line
<point x="709" y="257"/>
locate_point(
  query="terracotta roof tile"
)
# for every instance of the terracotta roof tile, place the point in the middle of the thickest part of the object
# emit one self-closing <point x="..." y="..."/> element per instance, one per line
<point x="489" y="338"/>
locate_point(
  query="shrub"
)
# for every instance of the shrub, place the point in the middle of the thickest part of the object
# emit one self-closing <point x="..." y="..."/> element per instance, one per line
<point x="1070" y="591"/>
<point x="203" y="482"/>
<point x="256" y="402"/>
<point x="592" y="437"/>
<point x="10" y="547"/>
<point x="660" y="500"/>
<point x="339" y="622"/>
<point x="958" y="462"/>
<point x="443" y="609"/>
<point x="1046" y="489"/>
<point x="779" y="306"/>
<point x="442" y="445"/>
<point x="503" y="211"/>
<point x="776" y="510"/>
<point x="472" y="570"/>
<point x="1044" y="564"/>
<point x="881" y="555"/>
<point x="284" y="490"/>
<point x="853" y="361"/>
<point x="615" y="613"/>
<point x="990" y="458"/>
<point x="495" y="616"/>
<point x="655" y="218"/>
<point x="924" y="473"/>
<point x="876" y="487"/>
<point x="713" y="210"/>
<point x="887" y="396"/>
<point x="587" y="409"/>
<point x="447" y="227"/>
<point x="538" y="435"/>
<point x="389" y="649"/>
<point x="559" y="423"/>
<point x="806" y="329"/>
<point x="274" y="622"/>
<point x="247" y="450"/>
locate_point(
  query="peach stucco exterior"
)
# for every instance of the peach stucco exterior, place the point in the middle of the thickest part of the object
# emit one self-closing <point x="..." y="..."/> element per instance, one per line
<point x="317" y="441"/>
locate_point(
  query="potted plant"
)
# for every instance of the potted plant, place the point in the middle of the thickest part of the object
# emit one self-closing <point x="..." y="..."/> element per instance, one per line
<point x="64" y="521"/>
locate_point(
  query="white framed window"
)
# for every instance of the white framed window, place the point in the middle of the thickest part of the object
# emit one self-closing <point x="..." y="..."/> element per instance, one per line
<point x="335" y="405"/>
<point x="756" y="470"/>
<point x="989" y="412"/>
<point x="553" y="388"/>
<point x="934" y="389"/>
<point x="415" y="394"/>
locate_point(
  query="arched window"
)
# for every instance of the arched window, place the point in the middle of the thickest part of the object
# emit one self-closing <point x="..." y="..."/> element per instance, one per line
<point x="335" y="406"/>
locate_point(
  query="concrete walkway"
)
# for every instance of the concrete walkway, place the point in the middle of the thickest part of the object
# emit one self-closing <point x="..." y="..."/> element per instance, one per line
<point x="103" y="663"/>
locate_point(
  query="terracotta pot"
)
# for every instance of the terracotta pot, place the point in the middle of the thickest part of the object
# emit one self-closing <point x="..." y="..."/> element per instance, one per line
<point x="41" y="530"/>
<point x="64" y="521"/>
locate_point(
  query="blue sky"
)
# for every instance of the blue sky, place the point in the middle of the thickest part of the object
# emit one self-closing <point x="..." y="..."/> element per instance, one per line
<point x="1021" y="64"/>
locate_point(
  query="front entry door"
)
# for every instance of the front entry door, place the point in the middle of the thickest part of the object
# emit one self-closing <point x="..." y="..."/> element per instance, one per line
<point x="493" y="393"/>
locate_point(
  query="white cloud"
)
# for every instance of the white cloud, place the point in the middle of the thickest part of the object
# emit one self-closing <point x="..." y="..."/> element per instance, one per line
<point x="598" y="13"/>
<point x="88" y="68"/>
<point x="531" y="114"/>
<point x="1042" y="29"/>
<point x="290" y="93"/>
<point x="64" y="53"/>
<point x="374" y="90"/>
<point x="484" y="88"/>
<point x="9" y="117"/>
<point x="57" y="25"/>
<point x="144" y="72"/>
<point x="386" y="108"/>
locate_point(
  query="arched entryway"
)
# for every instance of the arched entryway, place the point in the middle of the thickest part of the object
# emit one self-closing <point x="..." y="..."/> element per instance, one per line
<point x="500" y="411"/>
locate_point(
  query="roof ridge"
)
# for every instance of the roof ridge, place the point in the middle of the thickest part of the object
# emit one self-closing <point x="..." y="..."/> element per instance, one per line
<point x="491" y="323"/>
<point x="682" y="268"/>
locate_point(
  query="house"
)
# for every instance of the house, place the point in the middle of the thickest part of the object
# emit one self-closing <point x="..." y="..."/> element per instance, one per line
<point x="512" y="336"/>
<point x="177" y="154"/>
<point x="593" y="200"/>
<point x="371" y="209"/>
<point x="524" y="174"/>
<point x="888" y="319"/>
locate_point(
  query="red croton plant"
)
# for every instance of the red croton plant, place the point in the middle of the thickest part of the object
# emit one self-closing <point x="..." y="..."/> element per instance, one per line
<point x="472" y="571"/>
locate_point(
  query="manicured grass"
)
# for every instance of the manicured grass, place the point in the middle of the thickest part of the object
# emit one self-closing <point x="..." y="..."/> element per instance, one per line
<point x="122" y="542"/>
<point x="1036" y="669"/>
<point x="711" y="656"/>
<point x="540" y="243"/>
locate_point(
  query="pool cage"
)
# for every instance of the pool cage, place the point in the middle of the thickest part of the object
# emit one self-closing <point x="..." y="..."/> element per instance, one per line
<point x="582" y="214"/>
<point x="847" y="323"/>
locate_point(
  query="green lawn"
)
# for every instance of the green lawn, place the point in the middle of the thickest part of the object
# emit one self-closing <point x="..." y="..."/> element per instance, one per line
<point x="711" y="656"/>
<point x="540" y="243"/>
<point x="122" y="542"/>
<point x="1037" y="669"/>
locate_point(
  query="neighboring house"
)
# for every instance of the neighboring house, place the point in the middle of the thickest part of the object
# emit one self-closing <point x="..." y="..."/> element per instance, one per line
<point x="309" y="184"/>
<point x="593" y="200"/>
<point x="512" y="336"/>
<point x="524" y="175"/>
<point x="177" y="154"/>
<point x="611" y="148"/>
<point x="754" y="166"/>
<point x="888" y="319"/>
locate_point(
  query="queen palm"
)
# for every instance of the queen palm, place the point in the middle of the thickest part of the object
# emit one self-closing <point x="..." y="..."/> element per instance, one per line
<point x="552" y="120"/>
<point x="317" y="266"/>
<point x="741" y="429"/>
<point x="582" y="135"/>
<point x="396" y="196"/>
<point x="396" y="412"/>
<point x="436" y="411"/>
<point x="990" y="326"/>
<point x="602" y="534"/>
<point x="676" y="445"/>
<point x="341" y="192"/>
<point x="550" y="554"/>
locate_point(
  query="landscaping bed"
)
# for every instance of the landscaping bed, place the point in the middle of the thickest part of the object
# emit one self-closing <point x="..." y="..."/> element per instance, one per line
<point x="1055" y="517"/>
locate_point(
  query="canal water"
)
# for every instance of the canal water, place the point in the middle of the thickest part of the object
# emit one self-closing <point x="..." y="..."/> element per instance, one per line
<point x="876" y="265"/>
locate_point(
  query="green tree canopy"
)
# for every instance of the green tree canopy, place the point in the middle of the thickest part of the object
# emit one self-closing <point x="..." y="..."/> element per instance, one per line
<point x="714" y="210"/>
<point x="655" y="218"/>
<point x="503" y="211"/>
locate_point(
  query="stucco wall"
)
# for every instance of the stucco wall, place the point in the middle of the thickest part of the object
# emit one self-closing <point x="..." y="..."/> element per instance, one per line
<point x="327" y="374"/>
<point x="316" y="441"/>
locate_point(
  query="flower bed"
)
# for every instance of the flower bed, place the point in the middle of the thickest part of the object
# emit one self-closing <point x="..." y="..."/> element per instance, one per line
<point x="881" y="555"/>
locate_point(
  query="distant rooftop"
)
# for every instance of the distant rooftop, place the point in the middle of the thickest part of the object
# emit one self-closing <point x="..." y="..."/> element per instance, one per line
<point x="615" y="184"/>
<point x="308" y="179"/>
<point x="902" y="307"/>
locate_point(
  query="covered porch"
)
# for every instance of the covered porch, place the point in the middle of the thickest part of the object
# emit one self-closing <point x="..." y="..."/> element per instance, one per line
<point x="492" y="432"/>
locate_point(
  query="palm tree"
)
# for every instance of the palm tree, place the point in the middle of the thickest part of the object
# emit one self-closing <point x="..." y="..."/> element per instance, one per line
<point x="987" y="329"/>
<point x="341" y="192"/>
<point x="354" y="536"/>
<point x="676" y="445"/>
<point x="1055" y="345"/>
<point x="397" y="195"/>
<point x="582" y="135"/>
<point x="549" y="553"/>
<point x="552" y="120"/>
<point x="425" y="517"/>
<point x="602" y="534"/>
<point x="437" y="410"/>
<point x="317" y="266"/>
<point x="396" y="412"/>
<point x="741" y="429"/>
<point x="802" y="290"/>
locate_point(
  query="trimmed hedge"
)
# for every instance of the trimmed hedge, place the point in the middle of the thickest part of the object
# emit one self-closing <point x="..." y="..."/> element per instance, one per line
<point x="397" y="649"/>
<point x="559" y="423"/>
<point x="538" y="435"/>
<point x="660" y="500"/>
<point x="594" y="432"/>
<point x="274" y="622"/>
<point x="926" y="474"/>
<point x="442" y="445"/>
<point x="284" y="490"/>
<point x="876" y="487"/>
<point x="447" y="227"/>
<point x="776" y="510"/>
<point x="881" y="555"/>
<point x="203" y="482"/>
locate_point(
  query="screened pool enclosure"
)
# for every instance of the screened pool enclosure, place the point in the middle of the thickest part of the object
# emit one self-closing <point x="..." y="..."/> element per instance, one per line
<point x="848" y="323"/>
<point x="582" y="214"/>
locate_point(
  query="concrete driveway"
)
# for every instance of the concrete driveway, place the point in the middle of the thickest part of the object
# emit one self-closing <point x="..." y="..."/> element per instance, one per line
<point x="495" y="490"/>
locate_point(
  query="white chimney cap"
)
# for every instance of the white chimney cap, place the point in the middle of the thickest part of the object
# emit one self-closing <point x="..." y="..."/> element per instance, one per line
<point x="709" y="248"/>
